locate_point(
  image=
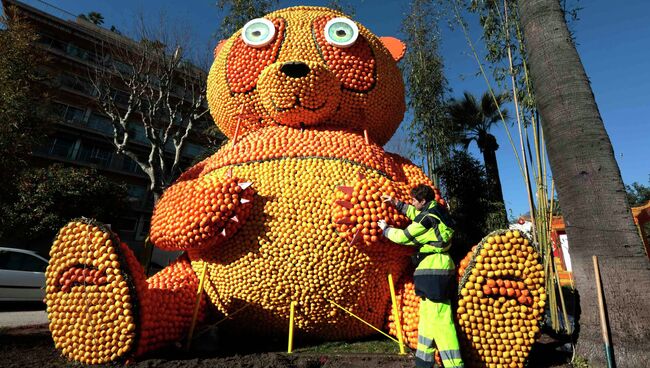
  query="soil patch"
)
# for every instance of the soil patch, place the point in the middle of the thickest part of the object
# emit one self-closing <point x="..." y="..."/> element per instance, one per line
<point x="33" y="347"/>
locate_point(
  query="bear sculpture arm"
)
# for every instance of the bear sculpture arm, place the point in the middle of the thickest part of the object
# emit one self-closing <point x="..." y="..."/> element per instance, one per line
<point x="200" y="212"/>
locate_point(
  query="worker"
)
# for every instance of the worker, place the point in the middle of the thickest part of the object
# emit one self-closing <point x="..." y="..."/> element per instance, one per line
<point x="430" y="231"/>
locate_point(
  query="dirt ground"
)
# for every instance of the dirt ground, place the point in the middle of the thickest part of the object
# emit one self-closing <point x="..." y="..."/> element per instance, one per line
<point x="33" y="347"/>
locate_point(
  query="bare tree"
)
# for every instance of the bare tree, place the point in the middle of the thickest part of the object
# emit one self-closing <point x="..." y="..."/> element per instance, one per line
<point x="150" y="88"/>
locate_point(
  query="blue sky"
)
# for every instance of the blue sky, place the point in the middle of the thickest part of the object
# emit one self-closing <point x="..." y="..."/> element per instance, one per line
<point x="613" y="43"/>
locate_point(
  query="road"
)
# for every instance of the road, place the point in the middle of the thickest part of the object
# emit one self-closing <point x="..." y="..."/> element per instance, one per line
<point x="22" y="314"/>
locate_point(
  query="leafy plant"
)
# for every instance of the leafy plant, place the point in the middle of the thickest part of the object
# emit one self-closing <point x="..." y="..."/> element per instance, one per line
<point x="47" y="198"/>
<point x="464" y="183"/>
<point x="238" y="12"/>
<point x="24" y="108"/>
<point x="637" y="193"/>
<point x="426" y="85"/>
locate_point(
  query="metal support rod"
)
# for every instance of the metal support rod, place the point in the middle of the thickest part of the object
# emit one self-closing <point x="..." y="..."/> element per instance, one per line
<point x="292" y="308"/>
<point x="359" y="318"/>
<point x="398" y="323"/>
<point x="199" y="293"/>
<point x="239" y="117"/>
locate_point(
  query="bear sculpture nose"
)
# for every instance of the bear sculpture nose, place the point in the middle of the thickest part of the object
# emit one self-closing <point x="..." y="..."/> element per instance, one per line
<point x="295" y="69"/>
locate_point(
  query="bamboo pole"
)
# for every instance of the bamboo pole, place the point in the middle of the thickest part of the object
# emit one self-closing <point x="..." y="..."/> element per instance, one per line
<point x="398" y="324"/>
<point x="529" y="190"/>
<point x="609" y="350"/>
<point x="494" y="99"/>
<point x="199" y="293"/>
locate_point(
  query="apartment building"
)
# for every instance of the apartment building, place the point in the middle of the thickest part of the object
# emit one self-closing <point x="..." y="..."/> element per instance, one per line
<point x="83" y="135"/>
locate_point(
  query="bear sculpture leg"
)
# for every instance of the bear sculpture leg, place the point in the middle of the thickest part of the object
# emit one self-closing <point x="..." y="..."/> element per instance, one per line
<point x="100" y="306"/>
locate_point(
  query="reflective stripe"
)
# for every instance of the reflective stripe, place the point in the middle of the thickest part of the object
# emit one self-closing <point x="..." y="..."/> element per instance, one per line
<point x="419" y="363"/>
<point x="411" y="238"/>
<point x="425" y="340"/>
<point x="438" y="244"/>
<point x="427" y="357"/>
<point x="437" y="231"/>
<point x="450" y="354"/>
<point x="420" y="216"/>
<point x="425" y="272"/>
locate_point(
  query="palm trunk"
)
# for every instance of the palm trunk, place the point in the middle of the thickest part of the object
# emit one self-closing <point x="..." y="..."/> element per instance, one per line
<point x="489" y="148"/>
<point x="590" y="189"/>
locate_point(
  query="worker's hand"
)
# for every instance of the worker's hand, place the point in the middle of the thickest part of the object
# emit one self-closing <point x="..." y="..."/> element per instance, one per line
<point x="387" y="198"/>
<point x="382" y="225"/>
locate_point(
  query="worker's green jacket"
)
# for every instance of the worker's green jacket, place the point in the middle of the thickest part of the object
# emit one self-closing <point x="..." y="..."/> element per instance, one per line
<point x="430" y="231"/>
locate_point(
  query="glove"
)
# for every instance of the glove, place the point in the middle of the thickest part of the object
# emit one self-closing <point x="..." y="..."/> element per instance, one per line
<point x="386" y="198"/>
<point x="382" y="225"/>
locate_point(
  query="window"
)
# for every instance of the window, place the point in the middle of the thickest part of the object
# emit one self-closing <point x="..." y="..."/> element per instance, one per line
<point x="74" y="115"/>
<point x="122" y="67"/>
<point x="120" y="97"/>
<point x="100" y="123"/>
<point x="126" y="224"/>
<point x="95" y="155"/>
<point x="136" y="132"/>
<point x="76" y="51"/>
<point x="61" y="147"/>
<point x="129" y="165"/>
<point x="69" y="114"/>
<point x="49" y="41"/>
<point x="16" y="261"/>
<point x="143" y="229"/>
<point x="136" y="191"/>
<point x="77" y="83"/>
<point x="192" y="149"/>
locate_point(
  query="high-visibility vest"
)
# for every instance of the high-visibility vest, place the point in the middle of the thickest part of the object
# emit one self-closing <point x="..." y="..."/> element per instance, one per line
<point x="431" y="231"/>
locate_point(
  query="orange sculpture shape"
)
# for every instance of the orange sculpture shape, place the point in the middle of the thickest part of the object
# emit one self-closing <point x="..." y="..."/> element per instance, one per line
<point x="285" y="212"/>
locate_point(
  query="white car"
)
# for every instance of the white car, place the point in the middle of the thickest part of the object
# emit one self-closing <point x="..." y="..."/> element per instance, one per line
<point x="22" y="275"/>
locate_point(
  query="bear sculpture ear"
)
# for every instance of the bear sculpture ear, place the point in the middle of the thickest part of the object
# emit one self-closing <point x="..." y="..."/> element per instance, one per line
<point x="396" y="47"/>
<point x="218" y="48"/>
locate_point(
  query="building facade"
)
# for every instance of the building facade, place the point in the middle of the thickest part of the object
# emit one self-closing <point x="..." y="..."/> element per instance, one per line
<point x="83" y="135"/>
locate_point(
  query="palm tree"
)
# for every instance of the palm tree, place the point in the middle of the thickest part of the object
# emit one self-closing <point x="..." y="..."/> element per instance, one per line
<point x="471" y="121"/>
<point x="93" y="17"/>
<point x="590" y="188"/>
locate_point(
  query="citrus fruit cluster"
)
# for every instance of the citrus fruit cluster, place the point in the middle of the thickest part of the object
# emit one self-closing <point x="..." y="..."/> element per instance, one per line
<point x="297" y="137"/>
<point x="90" y="301"/>
<point x="211" y="208"/>
<point x="357" y="209"/>
<point x="357" y="88"/>
<point x="289" y="250"/>
<point x="241" y="73"/>
<point x="353" y="66"/>
<point x="501" y="300"/>
<point x="167" y="306"/>
<point x="279" y="142"/>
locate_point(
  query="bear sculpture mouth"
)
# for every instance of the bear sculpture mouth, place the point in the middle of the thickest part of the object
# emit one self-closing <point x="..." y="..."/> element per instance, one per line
<point x="297" y="104"/>
<point x="81" y="274"/>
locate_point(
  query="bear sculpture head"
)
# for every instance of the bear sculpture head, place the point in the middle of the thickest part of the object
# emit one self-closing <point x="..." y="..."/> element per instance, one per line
<point x="307" y="67"/>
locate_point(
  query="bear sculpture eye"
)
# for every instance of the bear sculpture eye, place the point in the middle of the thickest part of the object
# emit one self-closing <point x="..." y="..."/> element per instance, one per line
<point x="258" y="32"/>
<point x="341" y="32"/>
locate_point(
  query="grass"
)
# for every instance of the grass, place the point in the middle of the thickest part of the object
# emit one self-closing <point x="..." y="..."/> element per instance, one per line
<point x="580" y="362"/>
<point x="379" y="346"/>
